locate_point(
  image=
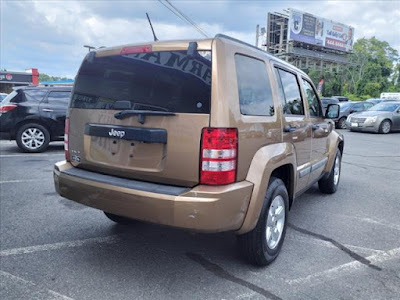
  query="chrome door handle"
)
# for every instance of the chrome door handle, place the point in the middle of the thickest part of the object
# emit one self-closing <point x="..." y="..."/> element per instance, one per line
<point x="47" y="110"/>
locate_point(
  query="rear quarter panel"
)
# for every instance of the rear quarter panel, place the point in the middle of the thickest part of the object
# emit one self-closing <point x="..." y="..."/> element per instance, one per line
<point x="255" y="132"/>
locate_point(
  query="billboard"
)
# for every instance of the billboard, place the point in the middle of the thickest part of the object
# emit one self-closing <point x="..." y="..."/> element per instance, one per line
<point x="306" y="28"/>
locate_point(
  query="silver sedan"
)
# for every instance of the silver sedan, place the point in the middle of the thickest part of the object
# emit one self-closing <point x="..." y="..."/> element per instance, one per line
<point x="383" y="118"/>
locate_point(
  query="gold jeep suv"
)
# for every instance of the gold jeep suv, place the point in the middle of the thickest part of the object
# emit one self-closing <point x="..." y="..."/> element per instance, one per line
<point x="208" y="135"/>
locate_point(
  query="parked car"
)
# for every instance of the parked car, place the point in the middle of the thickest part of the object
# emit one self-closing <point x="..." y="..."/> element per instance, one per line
<point x="383" y="118"/>
<point x="349" y="107"/>
<point x="341" y="98"/>
<point x="379" y="100"/>
<point x="151" y="137"/>
<point x="2" y="96"/>
<point x="34" y="116"/>
<point x="327" y="101"/>
<point x="374" y="100"/>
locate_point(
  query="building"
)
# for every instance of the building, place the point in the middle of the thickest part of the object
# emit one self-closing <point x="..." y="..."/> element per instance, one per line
<point x="9" y="79"/>
<point x="307" y="41"/>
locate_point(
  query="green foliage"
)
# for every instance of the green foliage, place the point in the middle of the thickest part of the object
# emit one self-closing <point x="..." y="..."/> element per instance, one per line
<point x="371" y="66"/>
<point x="374" y="67"/>
<point x="45" y="77"/>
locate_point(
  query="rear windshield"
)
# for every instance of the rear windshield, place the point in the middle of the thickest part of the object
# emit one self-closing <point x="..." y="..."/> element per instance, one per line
<point x="162" y="81"/>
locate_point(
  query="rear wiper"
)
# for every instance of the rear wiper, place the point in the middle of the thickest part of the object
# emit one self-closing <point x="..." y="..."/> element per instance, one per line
<point x="141" y="114"/>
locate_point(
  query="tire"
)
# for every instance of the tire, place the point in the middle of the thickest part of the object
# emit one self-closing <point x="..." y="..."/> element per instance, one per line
<point x="254" y="245"/>
<point x="33" y="138"/>
<point x="330" y="184"/>
<point x="385" y="127"/>
<point x="119" y="219"/>
<point x="341" y="124"/>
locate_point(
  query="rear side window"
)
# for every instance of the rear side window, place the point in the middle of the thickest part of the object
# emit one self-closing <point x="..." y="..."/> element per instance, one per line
<point x="358" y="107"/>
<point x="35" y="95"/>
<point x="368" y="105"/>
<point x="170" y="81"/>
<point x="255" y="94"/>
<point x="59" y="97"/>
<point x="313" y="104"/>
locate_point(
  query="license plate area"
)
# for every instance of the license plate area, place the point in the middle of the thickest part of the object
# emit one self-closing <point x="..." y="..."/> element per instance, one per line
<point x="354" y="124"/>
<point x="126" y="148"/>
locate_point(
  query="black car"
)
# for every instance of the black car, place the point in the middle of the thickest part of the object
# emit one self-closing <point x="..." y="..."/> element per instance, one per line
<point x="327" y="101"/>
<point x="34" y="116"/>
<point x="341" y="98"/>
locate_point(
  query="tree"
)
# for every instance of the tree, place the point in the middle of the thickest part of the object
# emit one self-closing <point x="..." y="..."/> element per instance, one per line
<point x="373" y="68"/>
<point x="370" y="67"/>
<point x="45" y="77"/>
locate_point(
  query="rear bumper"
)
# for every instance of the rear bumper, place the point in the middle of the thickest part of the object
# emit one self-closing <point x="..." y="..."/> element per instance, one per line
<point x="202" y="208"/>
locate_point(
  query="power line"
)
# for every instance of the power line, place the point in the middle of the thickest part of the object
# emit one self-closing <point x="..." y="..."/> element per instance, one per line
<point x="182" y="16"/>
<point x="187" y="18"/>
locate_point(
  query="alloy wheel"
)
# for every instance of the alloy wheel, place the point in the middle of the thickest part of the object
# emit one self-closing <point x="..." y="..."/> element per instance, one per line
<point x="33" y="138"/>
<point x="275" y="222"/>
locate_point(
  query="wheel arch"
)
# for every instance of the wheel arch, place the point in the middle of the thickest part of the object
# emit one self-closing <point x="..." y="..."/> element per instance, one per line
<point x="34" y="121"/>
<point x="335" y="141"/>
<point x="278" y="160"/>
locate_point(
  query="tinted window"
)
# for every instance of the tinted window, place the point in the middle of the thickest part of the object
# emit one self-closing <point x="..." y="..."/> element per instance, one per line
<point x="293" y="104"/>
<point x="368" y="105"/>
<point x="59" y="98"/>
<point x="344" y="105"/>
<point x="164" y="81"/>
<point x="357" y="107"/>
<point x="385" y="107"/>
<point x="35" y="95"/>
<point x="313" y="104"/>
<point x="255" y="94"/>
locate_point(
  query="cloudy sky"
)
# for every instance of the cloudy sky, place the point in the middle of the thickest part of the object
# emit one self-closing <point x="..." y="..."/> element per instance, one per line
<point x="50" y="35"/>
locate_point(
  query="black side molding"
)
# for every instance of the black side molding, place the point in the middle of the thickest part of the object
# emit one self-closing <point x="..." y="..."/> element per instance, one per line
<point x="146" y="135"/>
<point x="127" y="183"/>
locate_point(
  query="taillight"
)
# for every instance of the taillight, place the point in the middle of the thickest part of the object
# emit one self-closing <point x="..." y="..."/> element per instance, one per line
<point x="136" y="49"/>
<point x="66" y="139"/>
<point x="219" y="147"/>
<point x="7" y="108"/>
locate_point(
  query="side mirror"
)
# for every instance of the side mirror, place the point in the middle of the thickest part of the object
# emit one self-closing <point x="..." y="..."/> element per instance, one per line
<point x="333" y="111"/>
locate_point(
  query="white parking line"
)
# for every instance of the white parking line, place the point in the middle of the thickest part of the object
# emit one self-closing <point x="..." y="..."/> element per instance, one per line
<point x="28" y="285"/>
<point x="20" y="180"/>
<point x="31" y="154"/>
<point x="62" y="245"/>
<point x="317" y="242"/>
<point x="372" y="221"/>
<point x="331" y="274"/>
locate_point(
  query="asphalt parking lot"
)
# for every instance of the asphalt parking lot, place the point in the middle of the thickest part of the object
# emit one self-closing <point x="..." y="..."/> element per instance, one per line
<point x="341" y="246"/>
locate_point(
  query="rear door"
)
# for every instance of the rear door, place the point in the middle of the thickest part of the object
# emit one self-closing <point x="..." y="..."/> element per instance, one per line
<point x="140" y="115"/>
<point x="296" y="126"/>
<point x="54" y="107"/>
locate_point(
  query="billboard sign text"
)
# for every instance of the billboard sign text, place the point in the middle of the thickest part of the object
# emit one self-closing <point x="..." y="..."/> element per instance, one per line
<point x="306" y="28"/>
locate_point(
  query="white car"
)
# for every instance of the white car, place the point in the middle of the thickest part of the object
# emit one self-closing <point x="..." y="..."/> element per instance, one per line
<point x="2" y="96"/>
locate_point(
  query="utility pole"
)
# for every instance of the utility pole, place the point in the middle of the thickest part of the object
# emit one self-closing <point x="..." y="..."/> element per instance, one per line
<point x="257" y="34"/>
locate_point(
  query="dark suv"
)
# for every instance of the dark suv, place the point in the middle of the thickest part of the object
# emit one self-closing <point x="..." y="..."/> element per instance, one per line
<point x="34" y="116"/>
